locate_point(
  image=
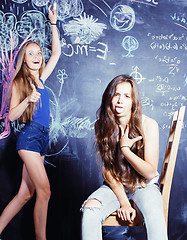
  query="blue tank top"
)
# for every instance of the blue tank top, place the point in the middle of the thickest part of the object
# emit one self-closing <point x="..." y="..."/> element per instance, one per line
<point x="42" y="113"/>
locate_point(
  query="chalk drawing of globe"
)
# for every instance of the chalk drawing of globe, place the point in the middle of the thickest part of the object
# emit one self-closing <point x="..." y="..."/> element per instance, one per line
<point x="130" y="44"/>
<point x="122" y="18"/>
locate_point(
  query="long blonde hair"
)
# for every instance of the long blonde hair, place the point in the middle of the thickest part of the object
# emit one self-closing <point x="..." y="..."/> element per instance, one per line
<point x="23" y="80"/>
<point x="107" y="129"/>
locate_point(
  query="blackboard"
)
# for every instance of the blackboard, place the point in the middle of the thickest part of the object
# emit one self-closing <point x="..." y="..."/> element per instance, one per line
<point x="146" y="39"/>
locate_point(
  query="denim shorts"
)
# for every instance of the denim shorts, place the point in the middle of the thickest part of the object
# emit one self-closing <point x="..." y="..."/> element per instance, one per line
<point x="33" y="137"/>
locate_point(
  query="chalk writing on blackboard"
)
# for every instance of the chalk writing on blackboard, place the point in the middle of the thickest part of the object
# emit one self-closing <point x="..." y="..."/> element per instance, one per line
<point x="163" y="88"/>
<point x="172" y="63"/>
<point x="168" y="42"/>
<point x="152" y="3"/>
<point x="69" y="50"/>
<point x="146" y="101"/>
<point x="179" y="20"/>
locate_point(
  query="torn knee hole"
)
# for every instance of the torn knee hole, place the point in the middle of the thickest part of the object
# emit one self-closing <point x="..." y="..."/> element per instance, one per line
<point x="92" y="203"/>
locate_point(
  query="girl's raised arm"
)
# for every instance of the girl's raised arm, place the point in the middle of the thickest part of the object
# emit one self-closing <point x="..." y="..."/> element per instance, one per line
<point x="56" y="47"/>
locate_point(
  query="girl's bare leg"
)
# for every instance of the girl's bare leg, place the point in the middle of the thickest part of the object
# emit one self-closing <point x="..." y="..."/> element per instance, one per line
<point x="36" y="170"/>
<point x="24" y="194"/>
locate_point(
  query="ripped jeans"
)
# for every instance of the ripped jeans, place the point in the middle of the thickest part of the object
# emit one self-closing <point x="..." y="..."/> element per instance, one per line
<point x="148" y="200"/>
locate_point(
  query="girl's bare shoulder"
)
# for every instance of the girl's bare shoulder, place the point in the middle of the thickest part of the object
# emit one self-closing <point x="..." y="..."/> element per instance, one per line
<point x="149" y="123"/>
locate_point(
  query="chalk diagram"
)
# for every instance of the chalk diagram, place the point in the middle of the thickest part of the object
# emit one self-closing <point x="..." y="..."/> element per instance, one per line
<point x="68" y="126"/>
<point x="9" y="50"/>
<point x="137" y="75"/>
<point x="19" y="1"/>
<point x="35" y="22"/>
<point x="84" y="30"/>
<point x="7" y="61"/>
<point x="122" y="18"/>
<point x="40" y="3"/>
<point x="67" y="8"/>
<point x="7" y="24"/>
<point x="29" y="21"/>
<point x="130" y="44"/>
<point x="99" y="7"/>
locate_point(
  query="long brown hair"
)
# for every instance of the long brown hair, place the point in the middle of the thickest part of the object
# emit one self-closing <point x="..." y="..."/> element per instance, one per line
<point x="23" y="80"/>
<point x="107" y="131"/>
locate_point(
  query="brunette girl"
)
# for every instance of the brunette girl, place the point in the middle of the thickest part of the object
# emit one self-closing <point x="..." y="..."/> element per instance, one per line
<point x="128" y="143"/>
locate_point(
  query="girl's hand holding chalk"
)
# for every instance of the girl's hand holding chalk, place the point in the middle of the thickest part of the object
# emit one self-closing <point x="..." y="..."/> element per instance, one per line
<point x="53" y="14"/>
<point x="54" y="6"/>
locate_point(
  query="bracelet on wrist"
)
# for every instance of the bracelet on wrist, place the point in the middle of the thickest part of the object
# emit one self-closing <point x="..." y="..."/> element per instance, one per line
<point x="124" y="147"/>
<point x="53" y="23"/>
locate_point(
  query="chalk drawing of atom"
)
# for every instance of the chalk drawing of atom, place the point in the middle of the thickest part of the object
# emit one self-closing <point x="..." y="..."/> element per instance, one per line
<point x="122" y="18"/>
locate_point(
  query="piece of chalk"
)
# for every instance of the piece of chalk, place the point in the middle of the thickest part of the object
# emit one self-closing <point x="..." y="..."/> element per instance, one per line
<point x="54" y="6"/>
